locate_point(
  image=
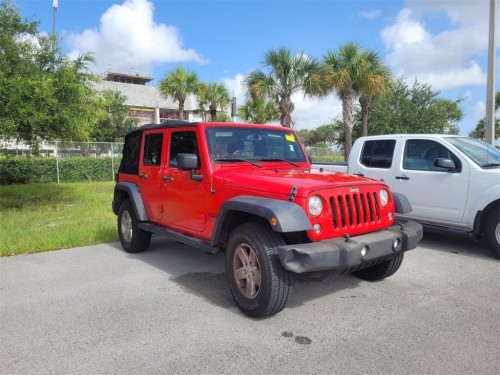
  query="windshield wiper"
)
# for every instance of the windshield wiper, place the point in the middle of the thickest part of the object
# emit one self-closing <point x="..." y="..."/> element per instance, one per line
<point x="490" y="165"/>
<point x="277" y="159"/>
<point x="236" y="160"/>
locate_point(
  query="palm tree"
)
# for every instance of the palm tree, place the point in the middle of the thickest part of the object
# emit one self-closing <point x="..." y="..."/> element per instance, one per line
<point x="215" y="95"/>
<point x="288" y="73"/>
<point x="343" y="72"/>
<point x="375" y="77"/>
<point x="178" y="84"/>
<point x="258" y="111"/>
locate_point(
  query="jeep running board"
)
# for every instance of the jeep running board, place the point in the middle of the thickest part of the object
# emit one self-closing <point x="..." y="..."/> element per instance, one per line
<point x="187" y="240"/>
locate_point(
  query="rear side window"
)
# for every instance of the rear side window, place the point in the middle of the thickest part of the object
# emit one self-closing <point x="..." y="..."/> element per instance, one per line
<point x="152" y="149"/>
<point x="130" y="159"/>
<point x="378" y="153"/>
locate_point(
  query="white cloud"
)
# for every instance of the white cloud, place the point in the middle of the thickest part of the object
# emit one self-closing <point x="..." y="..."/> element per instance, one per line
<point x="479" y="111"/>
<point x="234" y="86"/>
<point x="128" y="37"/>
<point x="371" y="14"/>
<point x="444" y="58"/>
<point x="311" y="113"/>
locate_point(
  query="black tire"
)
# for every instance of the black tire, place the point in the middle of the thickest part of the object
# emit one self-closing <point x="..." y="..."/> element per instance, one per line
<point x="258" y="282"/>
<point x="492" y="232"/>
<point x="132" y="238"/>
<point x="382" y="270"/>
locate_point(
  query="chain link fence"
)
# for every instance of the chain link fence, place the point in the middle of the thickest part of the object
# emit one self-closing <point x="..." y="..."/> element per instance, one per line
<point x="87" y="161"/>
<point x="325" y="154"/>
<point x="97" y="160"/>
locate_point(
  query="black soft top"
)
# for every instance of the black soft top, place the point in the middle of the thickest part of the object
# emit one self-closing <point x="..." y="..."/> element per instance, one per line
<point x="131" y="148"/>
<point x="164" y="125"/>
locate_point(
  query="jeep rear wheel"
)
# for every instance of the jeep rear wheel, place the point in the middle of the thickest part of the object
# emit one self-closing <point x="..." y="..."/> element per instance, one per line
<point x="132" y="238"/>
<point x="259" y="284"/>
<point x="382" y="270"/>
<point x="492" y="232"/>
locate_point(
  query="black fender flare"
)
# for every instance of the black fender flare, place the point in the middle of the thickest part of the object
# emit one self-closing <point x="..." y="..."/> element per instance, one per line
<point x="132" y="190"/>
<point x="481" y="215"/>
<point x="402" y="204"/>
<point x="282" y="216"/>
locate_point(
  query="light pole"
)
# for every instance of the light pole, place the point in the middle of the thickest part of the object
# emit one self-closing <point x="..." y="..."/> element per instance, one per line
<point x="55" y="5"/>
<point x="489" y="126"/>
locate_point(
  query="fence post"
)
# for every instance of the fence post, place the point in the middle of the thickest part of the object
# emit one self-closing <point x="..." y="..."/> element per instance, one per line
<point x="57" y="161"/>
<point x="111" y="144"/>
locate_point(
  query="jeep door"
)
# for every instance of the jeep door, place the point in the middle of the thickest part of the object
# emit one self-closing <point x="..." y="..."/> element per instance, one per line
<point x="150" y="173"/>
<point x="184" y="198"/>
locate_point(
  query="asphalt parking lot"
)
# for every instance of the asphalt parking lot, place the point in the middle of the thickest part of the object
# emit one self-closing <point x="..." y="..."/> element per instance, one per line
<point x="97" y="309"/>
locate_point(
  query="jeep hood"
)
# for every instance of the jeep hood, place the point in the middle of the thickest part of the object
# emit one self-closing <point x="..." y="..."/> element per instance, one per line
<point x="280" y="181"/>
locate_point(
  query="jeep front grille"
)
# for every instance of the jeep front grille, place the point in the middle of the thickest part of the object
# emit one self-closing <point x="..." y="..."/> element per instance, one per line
<point x="354" y="209"/>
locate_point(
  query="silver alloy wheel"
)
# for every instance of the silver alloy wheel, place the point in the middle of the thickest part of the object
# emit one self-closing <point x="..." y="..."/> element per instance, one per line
<point x="497" y="232"/>
<point x="126" y="226"/>
<point x="246" y="271"/>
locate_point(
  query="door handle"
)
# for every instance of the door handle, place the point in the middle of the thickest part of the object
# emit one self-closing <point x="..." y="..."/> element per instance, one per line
<point x="402" y="178"/>
<point x="167" y="179"/>
<point x="359" y="174"/>
<point x="143" y="175"/>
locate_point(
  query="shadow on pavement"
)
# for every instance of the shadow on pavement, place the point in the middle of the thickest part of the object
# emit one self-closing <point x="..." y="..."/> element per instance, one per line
<point x="203" y="275"/>
<point x="455" y="243"/>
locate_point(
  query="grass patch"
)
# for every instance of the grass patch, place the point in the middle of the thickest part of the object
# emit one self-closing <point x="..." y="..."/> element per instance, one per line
<point x="42" y="217"/>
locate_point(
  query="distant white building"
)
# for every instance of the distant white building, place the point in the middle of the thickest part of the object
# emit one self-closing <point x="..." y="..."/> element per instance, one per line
<point x="145" y="103"/>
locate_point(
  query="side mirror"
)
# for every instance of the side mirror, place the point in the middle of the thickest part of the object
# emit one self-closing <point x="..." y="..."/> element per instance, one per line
<point x="189" y="162"/>
<point x="447" y="164"/>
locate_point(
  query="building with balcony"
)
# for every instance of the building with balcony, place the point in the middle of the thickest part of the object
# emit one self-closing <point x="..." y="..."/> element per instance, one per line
<point x="145" y="102"/>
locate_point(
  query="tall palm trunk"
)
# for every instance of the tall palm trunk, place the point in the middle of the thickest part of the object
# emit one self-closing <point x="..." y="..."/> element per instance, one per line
<point x="364" y="101"/>
<point x="213" y="112"/>
<point x="181" y="109"/>
<point x="348" y="98"/>
<point x="286" y="108"/>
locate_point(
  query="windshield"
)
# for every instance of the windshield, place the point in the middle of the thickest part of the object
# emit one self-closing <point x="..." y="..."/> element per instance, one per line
<point x="480" y="152"/>
<point x="228" y="144"/>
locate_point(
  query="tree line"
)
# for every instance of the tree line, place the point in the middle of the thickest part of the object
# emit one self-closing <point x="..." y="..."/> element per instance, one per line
<point x="45" y="95"/>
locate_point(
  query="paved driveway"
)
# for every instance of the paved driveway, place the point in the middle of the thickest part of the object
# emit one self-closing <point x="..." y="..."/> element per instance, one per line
<point x="97" y="309"/>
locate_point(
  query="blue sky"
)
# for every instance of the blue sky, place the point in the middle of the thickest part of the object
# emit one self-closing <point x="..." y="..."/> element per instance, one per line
<point x="440" y="42"/>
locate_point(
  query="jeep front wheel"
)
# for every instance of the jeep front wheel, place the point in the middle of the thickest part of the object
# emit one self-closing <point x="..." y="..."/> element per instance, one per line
<point x="132" y="238"/>
<point x="259" y="284"/>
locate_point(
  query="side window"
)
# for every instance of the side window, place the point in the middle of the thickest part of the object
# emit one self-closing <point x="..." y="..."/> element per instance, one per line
<point x="183" y="142"/>
<point x="421" y="154"/>
<point x="130" y="159"/>
<point x="378" y="153"/>
<point x="152" y="149"/>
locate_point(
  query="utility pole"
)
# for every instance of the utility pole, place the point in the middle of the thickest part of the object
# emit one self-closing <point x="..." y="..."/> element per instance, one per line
<point x="55" y="5"/>
<point x="489" y="126"/>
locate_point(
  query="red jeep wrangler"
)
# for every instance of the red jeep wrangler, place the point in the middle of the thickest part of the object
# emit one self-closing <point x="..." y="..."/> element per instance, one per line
<point x="249" y="191"/>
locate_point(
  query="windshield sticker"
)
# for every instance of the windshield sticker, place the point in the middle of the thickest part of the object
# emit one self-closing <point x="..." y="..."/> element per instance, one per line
<point x="290" y="138"/>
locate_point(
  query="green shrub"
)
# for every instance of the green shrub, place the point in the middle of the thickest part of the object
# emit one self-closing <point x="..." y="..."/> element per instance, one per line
<point x="29" y="170"/>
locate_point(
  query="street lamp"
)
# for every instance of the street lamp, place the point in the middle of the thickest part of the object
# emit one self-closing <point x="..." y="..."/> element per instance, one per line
<point x="489" y="126"/>
<point x="55" y="5"/>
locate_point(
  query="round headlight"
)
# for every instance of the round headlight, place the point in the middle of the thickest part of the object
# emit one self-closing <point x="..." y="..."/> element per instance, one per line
<point x="384" y="197"/>
<point x="315" y="205"/>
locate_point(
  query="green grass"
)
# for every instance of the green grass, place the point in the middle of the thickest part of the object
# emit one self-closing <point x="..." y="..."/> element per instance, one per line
<point x="42" y="217"/>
